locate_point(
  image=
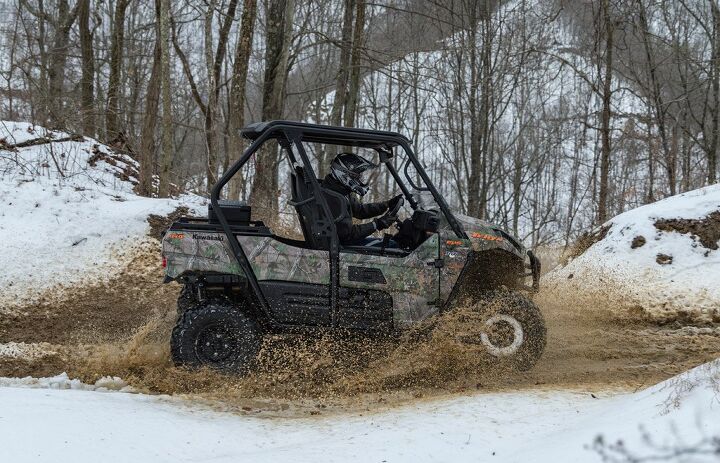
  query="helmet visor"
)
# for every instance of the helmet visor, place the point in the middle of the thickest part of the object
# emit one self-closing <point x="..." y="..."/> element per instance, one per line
<point x="364" y="177"/>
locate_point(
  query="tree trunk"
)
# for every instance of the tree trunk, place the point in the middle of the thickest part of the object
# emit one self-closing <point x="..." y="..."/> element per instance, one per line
<point x="357" y="48"/>
<point x="214" y="67"/>
<point x="341" y="80"/>
<point x="486" y="111"/>
<point x="167" y="126"/>
<point x="605" y="115"/>
<point x="87" y="90"/>
<point x="58" y="59"/>
<point x="236" y="113"/>
<point x="472" y="177"/>
<point x="650" y="196"/>
<point x="715" y="106"/>
<point x="147" y="135"/>
<point x="264" y="192"/>
<point x="480" y="111"/>
<point x="113" y="127"/>
<point x="210" y="142"/>
<point x="656" y="96"/>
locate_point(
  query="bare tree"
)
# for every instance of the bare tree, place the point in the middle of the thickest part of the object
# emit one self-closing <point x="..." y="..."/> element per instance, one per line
<point x="87" y="89"/>
<point x="54" y="60"/>
<point x="341" y="79"/>
<point x="355" y="63"/>
<point x="113" y="126"/>
<point x="167" y="118"/>
<point x="277" y="43"/>
<point x="152" y="99"/>
<point x="607" y="34"/>
<point x="213" y="65"/>
<point x="236" y="112"/>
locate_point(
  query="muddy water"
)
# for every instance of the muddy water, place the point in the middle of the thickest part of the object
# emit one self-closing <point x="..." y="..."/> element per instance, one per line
<point x="122" y="328"/>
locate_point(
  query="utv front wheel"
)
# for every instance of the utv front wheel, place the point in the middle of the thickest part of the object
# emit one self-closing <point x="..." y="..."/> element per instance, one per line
<point x="216" y="335"/>
<point x="510" y="327"/>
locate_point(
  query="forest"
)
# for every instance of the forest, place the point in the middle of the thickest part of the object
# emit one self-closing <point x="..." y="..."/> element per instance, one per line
<point x="549" y="117"/>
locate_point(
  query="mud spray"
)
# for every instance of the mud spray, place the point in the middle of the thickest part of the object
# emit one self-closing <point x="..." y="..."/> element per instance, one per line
<point x="121" y="328"/>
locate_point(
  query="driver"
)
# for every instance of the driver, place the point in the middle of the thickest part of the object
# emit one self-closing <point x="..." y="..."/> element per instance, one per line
<point x="349" y="174"/>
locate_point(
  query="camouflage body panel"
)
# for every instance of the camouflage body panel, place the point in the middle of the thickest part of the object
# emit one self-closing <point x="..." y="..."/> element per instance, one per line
<point x="417" y="288"/>
<point x="485" y="236"/>
<point x="272" y="260"/>
<point x="454" y="253"/>
<point x="199" y="252"/>
<point x="412" y="283"/>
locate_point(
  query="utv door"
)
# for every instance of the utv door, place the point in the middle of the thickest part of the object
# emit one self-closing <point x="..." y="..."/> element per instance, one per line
<point x="404" y="287"/>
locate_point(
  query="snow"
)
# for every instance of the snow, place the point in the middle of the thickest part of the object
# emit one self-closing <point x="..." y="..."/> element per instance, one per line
<point x="62" y="381"/>
<point x="62" y="420"/>
<point x="689" y="283"/>
<point x="63" y="220"/>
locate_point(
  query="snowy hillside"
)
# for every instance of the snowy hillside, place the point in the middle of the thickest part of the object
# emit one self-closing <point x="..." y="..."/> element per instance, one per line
<point x="67" y="209"/>
<point x="83" y="424"/>
<point x="662" y="257"/>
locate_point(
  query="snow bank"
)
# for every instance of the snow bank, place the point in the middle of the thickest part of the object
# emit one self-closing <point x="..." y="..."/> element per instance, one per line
<point x="62" y="381"/>
<point x="659" y="270"/>
<point x="67" y="210"/>
<point x="82" y="426"/>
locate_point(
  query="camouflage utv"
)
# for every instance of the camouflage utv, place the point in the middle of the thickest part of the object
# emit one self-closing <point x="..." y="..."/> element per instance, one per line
<point x="241" y="281"/>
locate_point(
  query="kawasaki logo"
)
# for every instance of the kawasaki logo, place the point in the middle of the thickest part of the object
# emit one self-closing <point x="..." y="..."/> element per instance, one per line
<point x="198" y="236"/>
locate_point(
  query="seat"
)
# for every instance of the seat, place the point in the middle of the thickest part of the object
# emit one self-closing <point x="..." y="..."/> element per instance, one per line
<point x="301" y="196"/>
<point x="315" y="226"/>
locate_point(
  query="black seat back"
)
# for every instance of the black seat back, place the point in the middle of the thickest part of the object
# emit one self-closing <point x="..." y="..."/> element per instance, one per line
<point x="299" y="194"/>
<point x="316" y="227"/>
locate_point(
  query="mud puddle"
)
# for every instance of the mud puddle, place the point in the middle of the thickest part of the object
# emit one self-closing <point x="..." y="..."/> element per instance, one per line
<point x="121" y="328"/>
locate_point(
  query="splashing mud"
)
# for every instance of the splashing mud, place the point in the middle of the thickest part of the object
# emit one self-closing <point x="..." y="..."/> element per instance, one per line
<point x="122" y="328"/>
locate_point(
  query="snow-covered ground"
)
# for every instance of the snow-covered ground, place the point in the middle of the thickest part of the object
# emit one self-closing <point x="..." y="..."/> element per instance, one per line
<point x="67" y="210"/>
<point x="639" y="275"/>
<point x="39" y="421"/>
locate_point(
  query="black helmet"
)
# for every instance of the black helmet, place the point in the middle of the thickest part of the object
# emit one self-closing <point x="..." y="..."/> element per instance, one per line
<point x="351" y="170"/>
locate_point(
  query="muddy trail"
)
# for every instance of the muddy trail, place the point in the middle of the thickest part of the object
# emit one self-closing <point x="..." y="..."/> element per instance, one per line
<point x="122" y="327"/>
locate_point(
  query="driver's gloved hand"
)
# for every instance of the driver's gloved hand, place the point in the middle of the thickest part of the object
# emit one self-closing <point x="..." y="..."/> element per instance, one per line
<point x="392" y="202"/>
<point x="381" y="223"/>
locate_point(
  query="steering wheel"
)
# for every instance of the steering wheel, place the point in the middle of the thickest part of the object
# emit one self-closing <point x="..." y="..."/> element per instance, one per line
<point x="397" y="207"/>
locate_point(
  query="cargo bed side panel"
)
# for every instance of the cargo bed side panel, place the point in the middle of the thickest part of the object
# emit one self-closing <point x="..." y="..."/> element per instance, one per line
<point x="192" y="251"/>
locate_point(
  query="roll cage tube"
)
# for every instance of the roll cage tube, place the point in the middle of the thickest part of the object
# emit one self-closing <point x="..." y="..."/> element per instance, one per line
<point x="457" y="228"/>
<point x="385" y="156"/>
<point x="234" y="244"/>
<point x="296" y="138"/>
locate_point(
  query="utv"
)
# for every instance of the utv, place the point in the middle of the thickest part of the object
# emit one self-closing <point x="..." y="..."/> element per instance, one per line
<point x="241" y="281"/>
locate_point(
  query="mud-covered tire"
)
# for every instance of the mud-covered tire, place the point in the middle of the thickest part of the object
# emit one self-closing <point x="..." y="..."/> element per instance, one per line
<point x="186" y="300"/>
<point x="512" y="328"/>
<point x="216" y="335"/>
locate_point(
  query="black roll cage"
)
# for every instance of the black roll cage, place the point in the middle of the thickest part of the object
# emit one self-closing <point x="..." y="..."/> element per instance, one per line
<point x="289" y="133"/>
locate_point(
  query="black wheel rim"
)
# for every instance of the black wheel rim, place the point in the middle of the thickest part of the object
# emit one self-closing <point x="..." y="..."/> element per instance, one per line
<point x="217" y="343"/>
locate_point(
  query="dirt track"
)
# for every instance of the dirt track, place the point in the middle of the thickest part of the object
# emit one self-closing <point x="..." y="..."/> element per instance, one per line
<point x="121" y="328"/>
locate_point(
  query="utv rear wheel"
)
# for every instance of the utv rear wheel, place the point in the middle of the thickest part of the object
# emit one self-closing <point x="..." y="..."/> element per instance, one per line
<point x="187" y="299"/>
<point x="216" y="335"/>
<point x="509" y="327"/>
